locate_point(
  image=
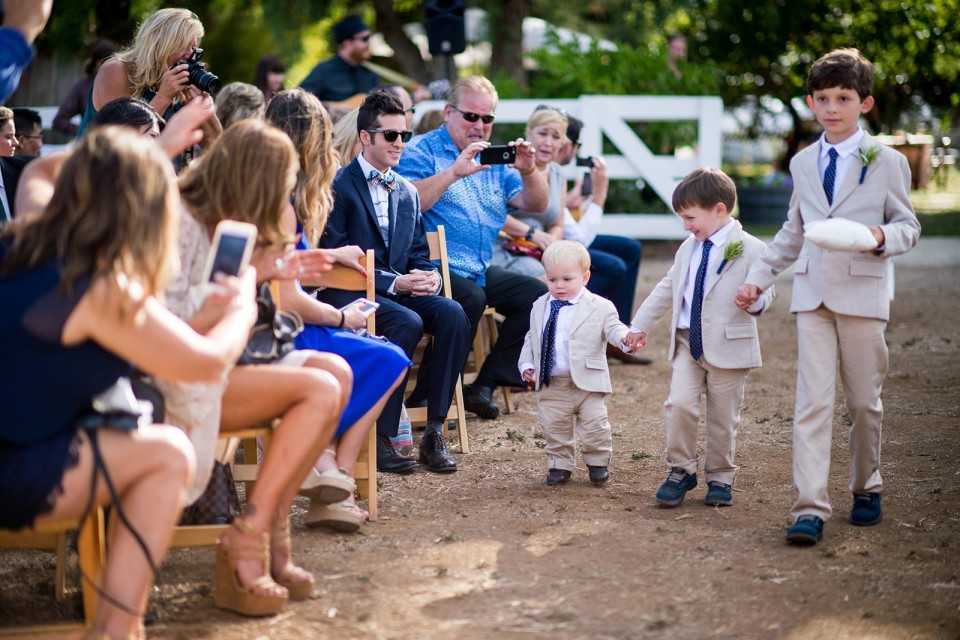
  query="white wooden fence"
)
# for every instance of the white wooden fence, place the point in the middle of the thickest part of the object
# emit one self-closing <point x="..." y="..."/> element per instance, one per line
<point x="610" y="115"/>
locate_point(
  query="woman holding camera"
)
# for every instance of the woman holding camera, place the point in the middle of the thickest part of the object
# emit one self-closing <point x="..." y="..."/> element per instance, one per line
<point x="531" y="231"/>
<point x="154" y="69"/>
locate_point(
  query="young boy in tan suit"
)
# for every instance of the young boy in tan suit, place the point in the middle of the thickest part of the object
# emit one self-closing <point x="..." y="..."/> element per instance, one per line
<point x="564" y="356"/>
<point x="713" y="343"/>
<point x="841" y="298"/>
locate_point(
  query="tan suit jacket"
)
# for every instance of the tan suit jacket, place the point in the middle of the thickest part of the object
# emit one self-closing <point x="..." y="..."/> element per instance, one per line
<point x="595" y="323"/>
<point x="729" y="333"/>
<point x="846" y="282"/>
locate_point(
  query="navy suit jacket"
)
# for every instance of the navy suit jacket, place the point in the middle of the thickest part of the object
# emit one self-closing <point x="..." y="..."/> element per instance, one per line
<point x="11" y="168"/>
<point x="354" y="221"/>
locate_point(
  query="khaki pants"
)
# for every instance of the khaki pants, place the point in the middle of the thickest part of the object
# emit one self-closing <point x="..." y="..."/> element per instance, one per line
<point x="823" y="338"/>
<point x="724" y="391"/>
<point x="565" y="412"/>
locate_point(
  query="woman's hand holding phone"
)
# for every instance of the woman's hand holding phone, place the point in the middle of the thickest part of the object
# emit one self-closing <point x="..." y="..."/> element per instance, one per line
<point x="226" y="294"/>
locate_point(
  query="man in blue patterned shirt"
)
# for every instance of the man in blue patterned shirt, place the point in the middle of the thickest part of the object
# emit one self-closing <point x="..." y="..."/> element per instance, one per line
<point x="471" y="200"/>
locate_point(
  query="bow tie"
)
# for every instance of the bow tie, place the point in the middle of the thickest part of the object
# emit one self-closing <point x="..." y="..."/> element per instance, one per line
<point x="387" y="180"/>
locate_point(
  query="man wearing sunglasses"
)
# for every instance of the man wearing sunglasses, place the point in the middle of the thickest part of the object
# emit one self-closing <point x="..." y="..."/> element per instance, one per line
<point x="471" y="201"/>
<point x="343" y="77"/>
<point x="375" y="208"/>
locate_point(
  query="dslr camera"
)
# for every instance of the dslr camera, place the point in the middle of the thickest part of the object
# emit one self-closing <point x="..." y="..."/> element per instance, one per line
<point x="199" y="76"/>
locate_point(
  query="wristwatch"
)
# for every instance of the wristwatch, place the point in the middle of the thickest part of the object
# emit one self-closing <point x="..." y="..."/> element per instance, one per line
<point x="529" y="234"/>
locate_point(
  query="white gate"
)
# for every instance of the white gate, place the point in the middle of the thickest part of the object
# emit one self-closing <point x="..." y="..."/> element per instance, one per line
<point x="610" y="115"/>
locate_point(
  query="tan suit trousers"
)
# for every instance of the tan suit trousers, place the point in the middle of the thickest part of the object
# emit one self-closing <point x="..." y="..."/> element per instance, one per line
<point x="567" y="411"/>
<point x="823" y="338"/>
<point x="724" y="391"/>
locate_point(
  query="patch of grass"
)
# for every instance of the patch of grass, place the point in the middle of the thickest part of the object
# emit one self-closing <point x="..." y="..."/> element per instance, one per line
<point x="640" y="455"/>
<point x="515" y="436"/>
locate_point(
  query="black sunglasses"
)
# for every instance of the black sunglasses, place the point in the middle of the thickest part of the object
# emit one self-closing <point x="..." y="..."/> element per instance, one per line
<point x="390" y="135"/>
<point x="365" y="38"/>
<point x="470" y="116"/>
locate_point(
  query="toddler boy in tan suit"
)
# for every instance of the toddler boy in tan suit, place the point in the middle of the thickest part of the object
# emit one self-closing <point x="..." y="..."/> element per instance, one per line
<point x="841" y="298"/>
<point x="564" y="356"/>
<point x="713" y="343"/>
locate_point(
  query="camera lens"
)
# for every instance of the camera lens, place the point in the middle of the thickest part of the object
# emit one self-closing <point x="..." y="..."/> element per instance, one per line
<point x="506" y="155"/>
<point x="204" y="80"/>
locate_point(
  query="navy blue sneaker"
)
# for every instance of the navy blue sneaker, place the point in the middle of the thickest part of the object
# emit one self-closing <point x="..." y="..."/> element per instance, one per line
<point x="598" y="474"/>
<point x="807" y="530"/>
<point x="866" y="510"/>
<point x="675" y="487"/>
<point x="719" y="494"/>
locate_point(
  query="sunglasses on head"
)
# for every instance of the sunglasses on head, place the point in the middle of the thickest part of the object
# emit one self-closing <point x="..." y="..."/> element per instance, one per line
<point x="390" y="135"/>
<point x="365" y="38"/>
<point x="546" y="107"/>
<point x="470" y="116"/>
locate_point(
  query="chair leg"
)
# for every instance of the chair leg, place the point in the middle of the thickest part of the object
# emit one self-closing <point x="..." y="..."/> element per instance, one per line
<point x="91" y="549"/>
<point x="372" y="474"/>
<point x="60" y="579"/>
<point x="461" y="418"/>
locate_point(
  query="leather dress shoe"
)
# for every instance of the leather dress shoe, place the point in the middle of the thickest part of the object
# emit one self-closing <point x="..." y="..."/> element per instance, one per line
<point x="389" y="460"/>
<point x="558" y="476"/>
<point x="434" y="455"/>
<point x="627" y="358"/>
<point x="479" y="400"/>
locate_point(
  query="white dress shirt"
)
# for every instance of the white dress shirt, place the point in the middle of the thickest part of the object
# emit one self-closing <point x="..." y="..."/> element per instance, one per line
<point x="380" y="197"/>
<point x="561" y="342"/>
<point x="846" y="153"/>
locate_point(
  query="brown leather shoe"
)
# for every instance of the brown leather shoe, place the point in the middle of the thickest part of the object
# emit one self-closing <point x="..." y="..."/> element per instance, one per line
<point x="627" y="358"/>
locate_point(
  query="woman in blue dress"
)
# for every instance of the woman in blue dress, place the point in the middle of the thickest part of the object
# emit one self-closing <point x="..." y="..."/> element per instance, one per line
<point x="380" y="365"/>
<point x="79" y="285"/>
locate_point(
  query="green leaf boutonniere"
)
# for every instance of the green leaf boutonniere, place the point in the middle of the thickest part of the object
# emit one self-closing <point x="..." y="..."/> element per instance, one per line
<point x="732" y="251"/>
<point x="867" y="155"/>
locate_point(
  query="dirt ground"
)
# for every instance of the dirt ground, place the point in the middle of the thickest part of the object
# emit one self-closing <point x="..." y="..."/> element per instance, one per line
<point x="492" y="552"/>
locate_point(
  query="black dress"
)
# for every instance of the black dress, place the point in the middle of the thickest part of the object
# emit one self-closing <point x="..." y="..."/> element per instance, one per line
<point x="45" y="387"/>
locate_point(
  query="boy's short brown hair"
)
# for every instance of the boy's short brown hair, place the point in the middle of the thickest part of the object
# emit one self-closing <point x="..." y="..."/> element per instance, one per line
<point x="705" y="188"/>
<point x="844" y="68"/>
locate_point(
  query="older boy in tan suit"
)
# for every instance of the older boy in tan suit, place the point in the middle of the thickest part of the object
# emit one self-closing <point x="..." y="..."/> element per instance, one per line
<point x="713" y="344"/>
<point x="564" y="356"/>
<point x="840" y="297"/>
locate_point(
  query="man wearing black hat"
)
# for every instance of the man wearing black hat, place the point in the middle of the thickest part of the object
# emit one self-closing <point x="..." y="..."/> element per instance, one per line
<point x="342" y="76"/>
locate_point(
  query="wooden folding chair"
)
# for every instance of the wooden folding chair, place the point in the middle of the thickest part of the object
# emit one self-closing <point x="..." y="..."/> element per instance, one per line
<point x="91" y="549"/>
<point x="437" y="241"/>
<point x="341" y="277"/>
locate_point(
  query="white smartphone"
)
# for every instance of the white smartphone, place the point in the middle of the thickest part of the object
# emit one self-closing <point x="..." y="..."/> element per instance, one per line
<point x="366" y="307"/>
<point x="231" y="249"/>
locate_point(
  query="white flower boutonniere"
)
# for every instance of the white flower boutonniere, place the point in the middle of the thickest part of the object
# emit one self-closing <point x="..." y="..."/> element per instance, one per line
<point x="867" y="155"/>
<point x="732" y="251"/>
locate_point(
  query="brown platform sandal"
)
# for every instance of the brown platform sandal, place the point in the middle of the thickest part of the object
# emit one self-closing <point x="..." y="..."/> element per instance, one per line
<point x="297" y="580"/>
<point x="251" y="599"/>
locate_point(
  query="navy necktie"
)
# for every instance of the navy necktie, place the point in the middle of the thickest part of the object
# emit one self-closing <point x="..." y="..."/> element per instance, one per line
<point x="830" y="175"/>
<point x="548" y="356"/>
<point x="696" y="333"/>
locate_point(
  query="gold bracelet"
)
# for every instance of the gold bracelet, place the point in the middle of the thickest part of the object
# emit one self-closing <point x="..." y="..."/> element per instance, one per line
<point x="527" y="172"/>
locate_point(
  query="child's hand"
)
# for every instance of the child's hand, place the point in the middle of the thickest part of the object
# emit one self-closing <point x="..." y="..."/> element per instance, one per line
<point x="746" y="295"/>
<point x="635" y="340"/>
<point x="528" y="377"/>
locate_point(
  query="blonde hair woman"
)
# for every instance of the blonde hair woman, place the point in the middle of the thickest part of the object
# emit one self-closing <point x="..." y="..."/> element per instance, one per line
<point x="80" y="283"/>
<point x="149" y="69"/>
<point x="238" y="101"/>
<point x="8" y="133"/>
<point x="346" y="140"/>
<point x="248" y="175"/>
<point x="381" y="365"/>
<point x="547" y="132"/>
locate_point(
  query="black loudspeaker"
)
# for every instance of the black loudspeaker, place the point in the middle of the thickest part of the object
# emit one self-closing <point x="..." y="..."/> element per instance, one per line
<point x="445" y="26"/>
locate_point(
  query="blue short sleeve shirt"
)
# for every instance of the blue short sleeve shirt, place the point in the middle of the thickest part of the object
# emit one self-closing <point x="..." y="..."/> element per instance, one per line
<point x="472" y="210"/>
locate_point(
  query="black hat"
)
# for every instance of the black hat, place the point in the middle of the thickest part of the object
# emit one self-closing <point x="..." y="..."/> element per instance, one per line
<point x="348" y="27"/>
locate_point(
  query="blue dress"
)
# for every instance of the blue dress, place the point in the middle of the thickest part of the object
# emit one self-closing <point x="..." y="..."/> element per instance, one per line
<point x="45" y="387"/>
<point x="375" y="362"/>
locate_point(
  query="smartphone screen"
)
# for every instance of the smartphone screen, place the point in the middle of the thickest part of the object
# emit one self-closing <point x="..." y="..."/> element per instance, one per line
<point x="498" y="154"/>
<point x="229" y="256"/>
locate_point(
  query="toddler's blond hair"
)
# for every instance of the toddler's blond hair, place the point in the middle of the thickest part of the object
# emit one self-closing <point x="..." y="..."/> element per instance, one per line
<point x="566" y="251"/>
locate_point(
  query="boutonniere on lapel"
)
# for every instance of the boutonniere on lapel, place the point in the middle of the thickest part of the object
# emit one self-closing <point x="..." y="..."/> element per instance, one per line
<point x="732" y="251"/>
<point x="867" y="155"/>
